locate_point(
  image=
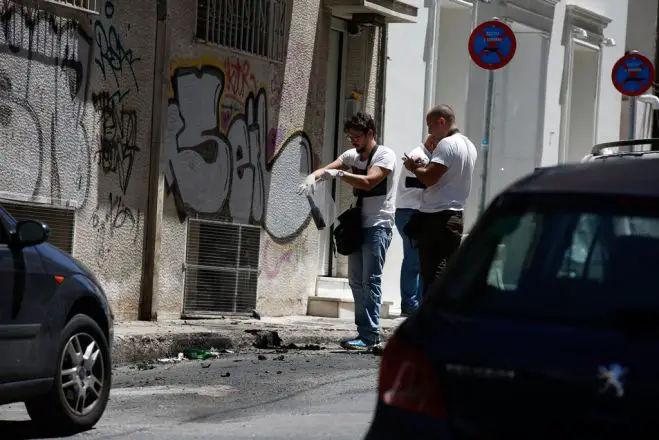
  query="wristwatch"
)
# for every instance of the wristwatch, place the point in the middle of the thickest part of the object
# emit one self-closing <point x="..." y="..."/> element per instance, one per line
<point x="340" y="173"/>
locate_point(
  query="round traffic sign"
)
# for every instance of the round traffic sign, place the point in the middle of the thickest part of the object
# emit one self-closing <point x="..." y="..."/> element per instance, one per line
<point x="633" y="74"/>
<point x="492" y="45"/>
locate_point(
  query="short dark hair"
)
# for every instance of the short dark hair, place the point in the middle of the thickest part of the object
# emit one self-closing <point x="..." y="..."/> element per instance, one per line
<point x="442" y="111"/>
<point x="360" y="121"/>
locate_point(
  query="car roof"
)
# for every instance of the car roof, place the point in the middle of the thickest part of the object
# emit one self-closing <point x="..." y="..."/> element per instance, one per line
<point x="611" y="177"/>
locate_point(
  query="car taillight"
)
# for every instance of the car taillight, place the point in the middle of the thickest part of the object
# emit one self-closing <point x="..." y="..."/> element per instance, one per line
<point x="408" y="381"/>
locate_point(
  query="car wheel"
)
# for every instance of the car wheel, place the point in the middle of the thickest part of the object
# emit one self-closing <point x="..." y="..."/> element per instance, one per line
<point x="81" y="388"/>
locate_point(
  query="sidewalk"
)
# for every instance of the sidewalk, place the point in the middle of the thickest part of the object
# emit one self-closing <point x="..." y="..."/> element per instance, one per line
<point x="136" y="341"/>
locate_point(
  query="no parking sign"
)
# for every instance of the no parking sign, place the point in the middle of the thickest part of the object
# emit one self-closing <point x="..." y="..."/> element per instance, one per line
<point x="492" y="45"/>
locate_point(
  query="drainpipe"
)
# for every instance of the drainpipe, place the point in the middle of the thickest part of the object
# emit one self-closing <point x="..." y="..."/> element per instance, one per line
<point x="382" y="78"/>
<point x="431" y="65"/>
<point x="153" y="219"/>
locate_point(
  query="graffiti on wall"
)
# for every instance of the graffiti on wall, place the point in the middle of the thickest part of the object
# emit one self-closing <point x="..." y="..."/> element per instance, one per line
<point x="44" y="79"/>
<point x="221" y="159"/>
<point x="117" y="145"/>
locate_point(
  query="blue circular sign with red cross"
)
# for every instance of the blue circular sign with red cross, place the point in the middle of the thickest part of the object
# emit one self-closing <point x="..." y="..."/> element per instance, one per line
<point x="633" y="74"/>
<point x="492" y="45"/>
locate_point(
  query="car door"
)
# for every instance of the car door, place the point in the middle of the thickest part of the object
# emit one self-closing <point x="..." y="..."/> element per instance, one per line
<point x="531" y="348"/>
<point x="24" y="289"/>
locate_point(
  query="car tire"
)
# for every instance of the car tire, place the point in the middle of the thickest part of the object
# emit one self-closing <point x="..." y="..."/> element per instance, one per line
<point x="79" y="372"/>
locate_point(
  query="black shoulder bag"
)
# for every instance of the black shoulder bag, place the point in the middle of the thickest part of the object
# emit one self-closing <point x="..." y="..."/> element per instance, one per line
<point x="348" y="235"/>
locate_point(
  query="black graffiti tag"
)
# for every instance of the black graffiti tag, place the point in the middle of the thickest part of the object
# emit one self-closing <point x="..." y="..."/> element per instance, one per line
<point x="119" y="140"/>
<point x="112" y="54"/>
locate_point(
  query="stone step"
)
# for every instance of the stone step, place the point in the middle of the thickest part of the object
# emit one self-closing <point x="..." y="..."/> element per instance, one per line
<point x="339" y="307"/>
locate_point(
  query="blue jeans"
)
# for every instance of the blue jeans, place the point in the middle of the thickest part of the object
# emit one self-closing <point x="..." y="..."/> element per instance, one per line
<point x="411" y="284"/>
<point x="365" y="279"/>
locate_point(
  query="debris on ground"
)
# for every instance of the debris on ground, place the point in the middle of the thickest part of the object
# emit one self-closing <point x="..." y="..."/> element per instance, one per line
<point x="256" y="315"/>
<point x="378" y="349"/>
<point x="145" y="365"/>
<point x="261" y="357"/>
<point x="227" y="374"/>
<point x="304" y="347"/>
<point x="280" y="357"/>
<point x="172" y="360"/>
<point x="205" y="365"/>
<point x="265" y="338"/>
<point x="196" y="354"/>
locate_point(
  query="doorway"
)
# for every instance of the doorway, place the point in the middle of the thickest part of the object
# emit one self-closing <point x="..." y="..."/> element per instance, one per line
<point x="579" y="116"/>
<point x="332" y="139"/>
<point x="581" y="131"/>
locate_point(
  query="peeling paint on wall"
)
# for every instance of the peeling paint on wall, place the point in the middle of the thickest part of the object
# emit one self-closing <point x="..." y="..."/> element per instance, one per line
<point x="222" y="160"/>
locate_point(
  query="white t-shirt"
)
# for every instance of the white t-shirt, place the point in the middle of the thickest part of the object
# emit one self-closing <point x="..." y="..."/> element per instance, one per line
<point x="410" y="188"/>
<point x="377" y="205"/>
<point x="458" y="154"/>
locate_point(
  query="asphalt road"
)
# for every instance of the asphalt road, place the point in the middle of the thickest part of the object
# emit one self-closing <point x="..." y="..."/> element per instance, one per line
<point x="323" y="394"/>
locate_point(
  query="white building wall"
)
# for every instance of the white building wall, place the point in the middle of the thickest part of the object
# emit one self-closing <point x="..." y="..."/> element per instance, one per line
<point x="405" y="91"/>
<point x="408" y="52"/>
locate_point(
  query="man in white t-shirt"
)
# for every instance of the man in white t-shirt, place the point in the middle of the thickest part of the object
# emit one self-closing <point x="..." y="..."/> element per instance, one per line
<point x="439" y="226"/>
<point x="376" y="187"/>
<point x="408" y="201"/>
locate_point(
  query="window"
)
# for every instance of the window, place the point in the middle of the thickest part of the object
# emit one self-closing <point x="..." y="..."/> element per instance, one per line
<point x="256" y="27"/>
<point x="558" y="264"/>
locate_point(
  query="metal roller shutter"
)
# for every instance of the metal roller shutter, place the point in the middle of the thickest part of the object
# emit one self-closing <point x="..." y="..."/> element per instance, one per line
<point x="222" y="267"/>
<point x="59" y="220"/>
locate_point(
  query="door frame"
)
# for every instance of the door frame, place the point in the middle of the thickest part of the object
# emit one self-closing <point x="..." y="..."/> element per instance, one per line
<point x="341" y="26"/>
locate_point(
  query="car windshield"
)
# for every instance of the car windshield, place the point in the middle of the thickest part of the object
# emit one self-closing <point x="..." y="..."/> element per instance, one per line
<point x="561" y="263"/>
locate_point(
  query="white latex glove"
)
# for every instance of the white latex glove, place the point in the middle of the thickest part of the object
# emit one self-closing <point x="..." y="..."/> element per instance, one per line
<point x="329" y="174"/>
<point x="307" y="188"/>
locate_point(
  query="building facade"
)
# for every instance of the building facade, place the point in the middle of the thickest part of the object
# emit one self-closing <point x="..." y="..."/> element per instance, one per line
<point x="163" y="141"/>
<point x="550" y="104"/>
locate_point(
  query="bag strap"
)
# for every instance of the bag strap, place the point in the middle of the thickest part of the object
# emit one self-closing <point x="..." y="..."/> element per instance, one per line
<point x="368" y="162"/>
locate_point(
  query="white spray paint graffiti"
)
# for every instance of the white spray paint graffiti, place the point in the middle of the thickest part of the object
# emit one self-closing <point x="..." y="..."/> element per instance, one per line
<point x="226" y="174"/>
<point x="43" y="87"/>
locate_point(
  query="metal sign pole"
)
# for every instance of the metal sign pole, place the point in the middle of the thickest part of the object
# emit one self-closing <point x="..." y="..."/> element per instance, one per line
<point x="487" y="132"/>
<point x="632" y="118"/>
<point x="492" y="45"/>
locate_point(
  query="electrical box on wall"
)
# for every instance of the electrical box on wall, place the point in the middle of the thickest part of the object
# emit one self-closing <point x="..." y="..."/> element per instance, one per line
<point x="353" y="104"/>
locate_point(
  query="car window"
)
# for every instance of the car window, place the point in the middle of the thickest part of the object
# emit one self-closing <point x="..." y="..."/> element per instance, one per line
<point x="577" y="268"/>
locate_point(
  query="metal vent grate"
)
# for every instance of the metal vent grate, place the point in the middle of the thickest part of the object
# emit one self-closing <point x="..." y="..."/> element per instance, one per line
<point x="59" y="220"/>
<point x="256" y="27"/>
<point x="85" y="6"/>
<point x="222" y="266"/>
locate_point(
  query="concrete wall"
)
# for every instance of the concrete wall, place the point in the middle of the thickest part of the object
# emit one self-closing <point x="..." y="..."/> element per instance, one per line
<point x="75" y="128"/>
<point x="266" y="119"/>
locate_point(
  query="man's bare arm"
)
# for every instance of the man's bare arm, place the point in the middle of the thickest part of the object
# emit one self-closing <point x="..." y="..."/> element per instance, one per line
<point x="373" y="177"/>
<point x="431" y="173"/>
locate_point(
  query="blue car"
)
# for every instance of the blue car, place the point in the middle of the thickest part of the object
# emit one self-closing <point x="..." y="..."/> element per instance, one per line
<point x="545" y="325"/>
<point x="56" y="329"/>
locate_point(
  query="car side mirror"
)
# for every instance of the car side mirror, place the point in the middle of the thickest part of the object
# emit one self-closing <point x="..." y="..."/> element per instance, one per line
<point x="30" y="233"/>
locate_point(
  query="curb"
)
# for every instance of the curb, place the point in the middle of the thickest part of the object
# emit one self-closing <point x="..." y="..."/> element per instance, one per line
<point x="144" y="348"/>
